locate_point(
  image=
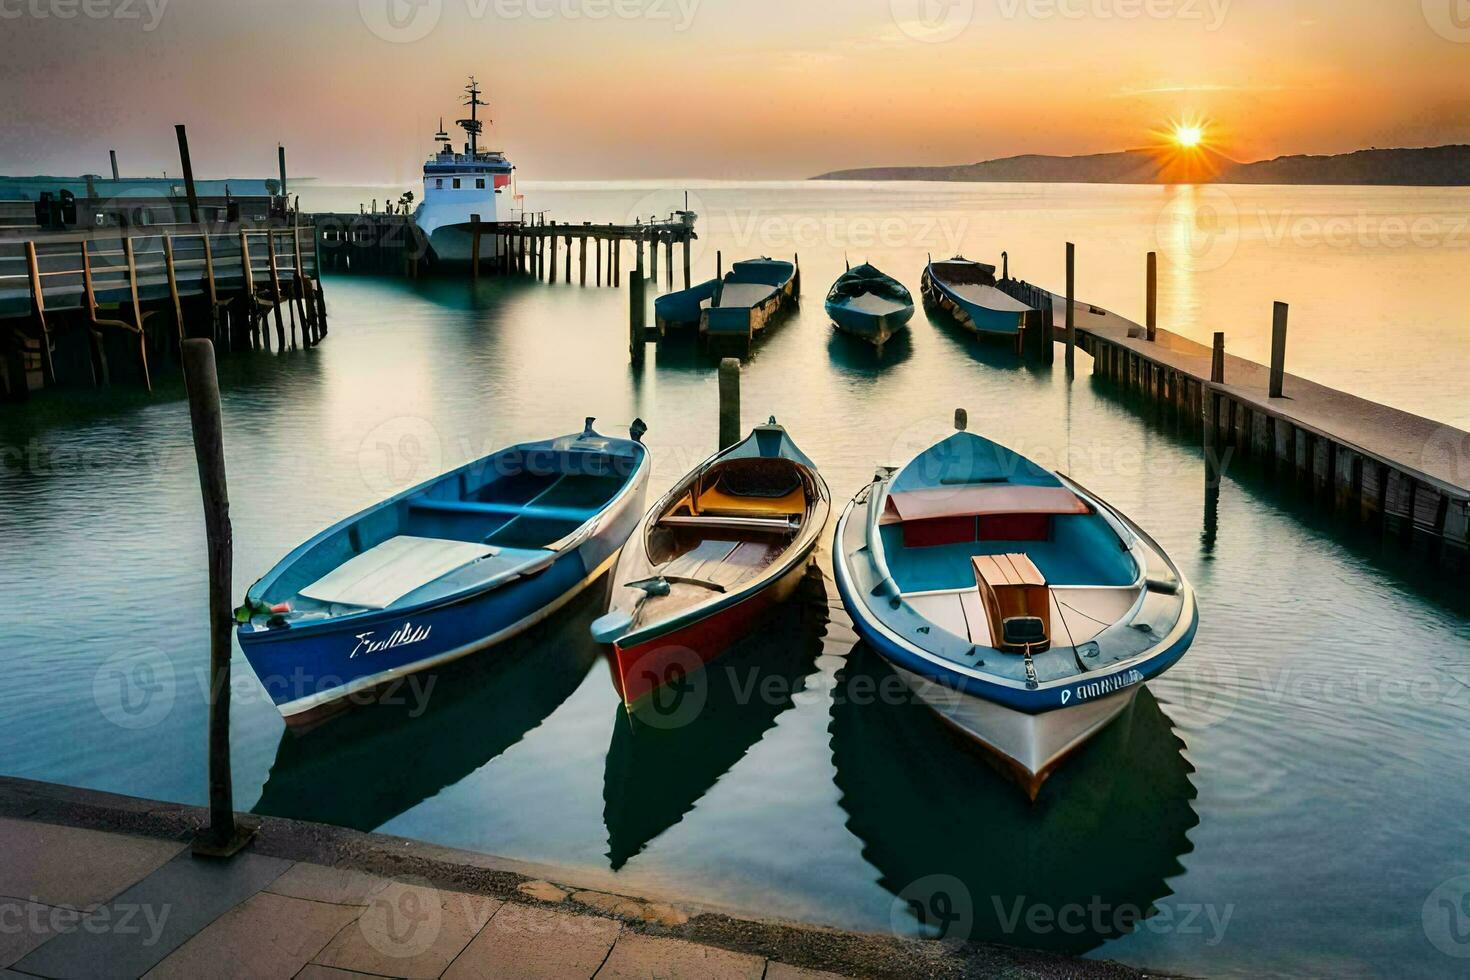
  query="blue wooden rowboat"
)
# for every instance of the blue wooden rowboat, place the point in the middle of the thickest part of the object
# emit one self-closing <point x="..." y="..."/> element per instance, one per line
<point x="1020" y="607"/>
<point x="443" y="570"/>
<point x="967" y="291"/>
<point x="868" y="304"/>
<point x="748" y="298"/>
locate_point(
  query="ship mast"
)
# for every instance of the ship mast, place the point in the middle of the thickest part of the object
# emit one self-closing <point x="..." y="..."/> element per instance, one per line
<point x="472" y="125"/>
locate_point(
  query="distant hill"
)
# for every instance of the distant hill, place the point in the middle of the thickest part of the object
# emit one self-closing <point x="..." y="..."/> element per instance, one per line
<point x="1438" y="166"/>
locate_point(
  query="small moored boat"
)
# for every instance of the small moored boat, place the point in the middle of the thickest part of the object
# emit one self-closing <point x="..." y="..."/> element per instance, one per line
<point x="681" y="310"/>
<point x="730" y="540"/>
<point x="447" y="568"/>
<point x="967" y="291"/>
<point x="746" y="300"/>
<point x="1020" y="607"/>
<point x="868" y="304"/>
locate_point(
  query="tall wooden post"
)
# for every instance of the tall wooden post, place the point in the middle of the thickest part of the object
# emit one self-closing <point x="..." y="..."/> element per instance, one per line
<point x="597" y="244"/>
<point x="212" y="290"/>
<point x="1151" y="320"/>
<point x="637" y="312"/>
<point x="729" y="402"/>
<point x="582" y="260"/>
<point x="132" y="260"/>
<point x="615" y="256"/>
<point x="281" y="164"/>
<point x="553" y="253"/>
<point x="1278" y="349"/>
<point x="188" y="173"/>
<point x="653" y="260"/>
<point x="719" y="264"/>
<point x="669" y="262"/>
<point x="474" y="246"/>
<point x="270" y="252"/>
<point x="686" y="264"/>
<point x="1071" y="310"/>
<point x="1217" y="360"/>
<point x="112" y="155"/>
<point x="223" y="837"/>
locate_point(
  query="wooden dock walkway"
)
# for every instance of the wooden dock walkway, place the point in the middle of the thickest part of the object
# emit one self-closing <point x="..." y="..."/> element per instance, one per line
<point x="1363" y="462"/>
<point x="96" y="306"/>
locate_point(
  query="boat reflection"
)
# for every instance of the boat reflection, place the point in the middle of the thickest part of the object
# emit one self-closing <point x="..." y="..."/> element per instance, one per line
<point x="858" y="358"/>
<point x="1093" y="854"/>
<point x="372" y="763"/>
<point x="669" y="751"/>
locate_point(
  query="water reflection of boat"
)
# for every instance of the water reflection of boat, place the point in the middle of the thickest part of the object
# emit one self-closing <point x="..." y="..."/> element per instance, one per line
<point x="673" y="747"/>
<point x="343" y="773"/>
<point x="1106" y="832"/>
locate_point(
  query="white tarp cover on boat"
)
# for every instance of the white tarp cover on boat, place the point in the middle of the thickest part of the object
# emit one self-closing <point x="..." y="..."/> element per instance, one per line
<point x="876" y="305"/>
<point x="979" y="501"/>
<point x="737" y="294"/>
<point x="989" y="297"/>
<point x="382" y="575"/>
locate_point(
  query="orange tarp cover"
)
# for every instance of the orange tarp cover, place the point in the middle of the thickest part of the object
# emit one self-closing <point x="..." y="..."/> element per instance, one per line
<point x="715" y="503"/>
<point x="980" y="501"/>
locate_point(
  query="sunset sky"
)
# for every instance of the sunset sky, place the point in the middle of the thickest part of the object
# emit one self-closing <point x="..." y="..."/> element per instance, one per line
<point x="715" y="88"/>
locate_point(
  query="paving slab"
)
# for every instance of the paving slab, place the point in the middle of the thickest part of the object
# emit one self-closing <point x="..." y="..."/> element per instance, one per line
<point x="23" y="926"/>
<point x="41" y="862"/>
<point x="528" y="942"/>
<point x="642" y="957"/>
<point x="314" y="972"/>
<point x="339" y="886"/>
<point x="266" y="936"/>
<point x="410" y="929"/>
<point x="132" y="933"/>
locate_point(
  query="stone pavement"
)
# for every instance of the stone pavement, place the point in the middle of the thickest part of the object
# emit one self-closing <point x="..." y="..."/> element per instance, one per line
<point x="95" y="885"/>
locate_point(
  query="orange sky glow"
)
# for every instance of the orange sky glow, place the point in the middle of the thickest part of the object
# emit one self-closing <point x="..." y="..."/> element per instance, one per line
<point x="607" y="89"/>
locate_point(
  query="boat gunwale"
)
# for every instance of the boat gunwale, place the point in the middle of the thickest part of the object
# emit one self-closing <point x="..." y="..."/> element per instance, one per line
<point x="568" y="544"/>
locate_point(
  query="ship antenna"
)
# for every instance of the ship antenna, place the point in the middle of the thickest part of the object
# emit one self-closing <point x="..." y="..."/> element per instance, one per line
<point x="472" y="125"/>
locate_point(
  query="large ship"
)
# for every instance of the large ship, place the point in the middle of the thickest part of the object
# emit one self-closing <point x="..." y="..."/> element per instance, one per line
<point x="458" y="185"/>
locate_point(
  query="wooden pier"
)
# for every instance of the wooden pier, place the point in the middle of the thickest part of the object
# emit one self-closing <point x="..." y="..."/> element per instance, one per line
<point x="1361" y="462"/>
<point x="114" y="304"/>
<point x="550" y="251"/>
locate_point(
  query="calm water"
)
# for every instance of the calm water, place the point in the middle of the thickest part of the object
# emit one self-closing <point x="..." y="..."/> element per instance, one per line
<point x="1289" y="799"/>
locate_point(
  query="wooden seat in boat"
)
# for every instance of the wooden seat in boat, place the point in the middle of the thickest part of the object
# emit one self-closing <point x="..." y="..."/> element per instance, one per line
<point x="1011" y="586"/>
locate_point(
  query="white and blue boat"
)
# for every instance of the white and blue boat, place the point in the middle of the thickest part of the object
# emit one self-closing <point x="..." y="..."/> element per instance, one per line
<point x="1022" y="609"/>
<point x="442" y="570"/>
<point x="870" y="305"/>
<point x="967" y="291"/>
<point x="682" y="310"/>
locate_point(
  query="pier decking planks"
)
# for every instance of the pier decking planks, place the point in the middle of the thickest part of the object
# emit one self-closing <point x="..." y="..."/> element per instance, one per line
<point x="1363" y="462"/>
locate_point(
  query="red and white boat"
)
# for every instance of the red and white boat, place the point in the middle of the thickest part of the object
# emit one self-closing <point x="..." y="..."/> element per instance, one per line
<point x="729" y="541"/>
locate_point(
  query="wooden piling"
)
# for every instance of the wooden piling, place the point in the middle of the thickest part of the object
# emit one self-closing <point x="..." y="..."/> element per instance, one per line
<point x="188" y="173"/>
<point x="222" y="837"/>
<point x="686" y="264"/>
<point x="270" y="251"/>
<point x="38" y="312"/>
<point x="132" y="261"/>
<point x="582" y="260"/>
<point x="1071" y="311"/>
<point x="669" y="262"/>
<point x="474" y="246"/>
<point x="597" y="245"/>
<point x="568" y="269"/>
<point x="173" y="288"/>
<point x="1217" y="360"/>
<point x="729" y="402"/>
<point x="247" y="273"/>
<point x="553" y="253"/>
<point x="1278" y="349"/>
<point x="1151" y="321"/>
<point x="719" y="264"/>
<point x="637" y="312"/>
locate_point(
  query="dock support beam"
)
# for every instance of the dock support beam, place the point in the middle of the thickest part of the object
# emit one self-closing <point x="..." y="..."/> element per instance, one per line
<point x="1278" y="349"/>
<point x="1217" y="361"/>
<point x="222" y="837"/>
<point x="729" y="402"/>
<point x="686" y="264"/>
<point x="1071" y="312"/>
<point x="1151" y="321"/>
<point x="474" y="246"/>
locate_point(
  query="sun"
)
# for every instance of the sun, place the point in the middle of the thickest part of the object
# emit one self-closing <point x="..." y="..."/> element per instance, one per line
<point x="1189" y="137"/>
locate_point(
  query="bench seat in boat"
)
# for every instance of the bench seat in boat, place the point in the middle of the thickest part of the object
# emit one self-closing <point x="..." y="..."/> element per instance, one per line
<point x="421" y="568"/>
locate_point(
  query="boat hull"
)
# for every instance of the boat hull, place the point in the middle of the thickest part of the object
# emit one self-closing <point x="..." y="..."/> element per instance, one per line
<point x="733" y="329"/>
<point x="448" y="229"/>
<point x="876" y="330"/>
<point x="1001" y="324"/>
<point x="649" y="662"/>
